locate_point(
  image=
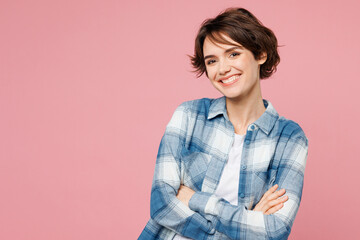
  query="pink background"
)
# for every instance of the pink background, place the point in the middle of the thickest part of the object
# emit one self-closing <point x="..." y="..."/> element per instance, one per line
<point x="87" y="88"/>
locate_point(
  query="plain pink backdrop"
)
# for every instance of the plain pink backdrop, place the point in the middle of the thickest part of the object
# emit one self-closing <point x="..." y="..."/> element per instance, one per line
<point x="87" y="88"/>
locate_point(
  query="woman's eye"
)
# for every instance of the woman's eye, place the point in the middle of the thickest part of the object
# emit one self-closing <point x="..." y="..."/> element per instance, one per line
<point x="210" y="62"/>
<point x="234" y="54"/>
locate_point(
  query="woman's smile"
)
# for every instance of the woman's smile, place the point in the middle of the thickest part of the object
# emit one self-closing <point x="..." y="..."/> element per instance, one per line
<point x="231" y="80"/>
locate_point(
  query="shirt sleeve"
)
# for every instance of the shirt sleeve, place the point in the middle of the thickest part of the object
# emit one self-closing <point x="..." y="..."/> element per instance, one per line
<point x="165" y="208"/>
<point x="237" y="222"/>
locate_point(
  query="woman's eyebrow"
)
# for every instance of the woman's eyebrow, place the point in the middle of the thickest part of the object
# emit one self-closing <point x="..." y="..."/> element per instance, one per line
<point x="226" y="51"/>
<point x="233" y="48"/>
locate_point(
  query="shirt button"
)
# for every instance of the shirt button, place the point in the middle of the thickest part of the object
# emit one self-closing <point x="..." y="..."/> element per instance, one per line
<point x="247" y="142"/>
<point x="243" y="167"/>
<point x="242" y="195"/>
<point x="252" y="127"/>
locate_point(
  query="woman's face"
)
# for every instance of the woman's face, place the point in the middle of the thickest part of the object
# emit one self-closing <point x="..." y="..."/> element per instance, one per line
<point x="232" y="69"/>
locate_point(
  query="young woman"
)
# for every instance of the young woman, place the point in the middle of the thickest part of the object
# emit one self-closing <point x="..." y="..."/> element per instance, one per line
<point x="224" y="164"/>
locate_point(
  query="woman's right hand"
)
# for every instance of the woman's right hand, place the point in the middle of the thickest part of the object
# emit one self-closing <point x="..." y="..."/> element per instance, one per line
<point x="272" y="201"/>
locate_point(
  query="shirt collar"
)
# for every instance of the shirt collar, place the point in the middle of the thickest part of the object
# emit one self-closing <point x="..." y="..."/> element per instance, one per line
<point x="265" y="122"/>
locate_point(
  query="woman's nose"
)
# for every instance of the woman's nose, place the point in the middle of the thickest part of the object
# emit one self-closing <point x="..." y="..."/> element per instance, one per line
<point x="224" y="67"/>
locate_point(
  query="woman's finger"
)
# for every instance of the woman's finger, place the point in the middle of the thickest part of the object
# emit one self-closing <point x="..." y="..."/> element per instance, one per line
<point x="278" y="206"/>
<point x="270" y="191"/>
<point x="266" y="194"/>
<point x="263" y="205"/>
<point x="274" y="209"/>
<point x="275" y="195"/>
<point x="271" y="199"/>
<point x="272" y="203"/>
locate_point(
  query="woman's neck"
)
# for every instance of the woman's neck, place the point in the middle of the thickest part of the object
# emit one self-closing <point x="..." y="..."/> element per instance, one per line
<point x="243" y="112"/>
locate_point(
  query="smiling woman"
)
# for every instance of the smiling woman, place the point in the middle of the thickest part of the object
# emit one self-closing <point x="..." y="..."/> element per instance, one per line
<point x="224" y="165"/>
<point x="220" y="59"/>
<point x="243" y="28"/>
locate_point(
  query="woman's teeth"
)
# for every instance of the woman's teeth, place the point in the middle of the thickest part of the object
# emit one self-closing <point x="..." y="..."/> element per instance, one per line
<point x="231" y="79"/>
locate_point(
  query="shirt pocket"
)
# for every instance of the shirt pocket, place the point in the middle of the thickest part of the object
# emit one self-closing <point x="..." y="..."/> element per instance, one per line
<point x="193" y="169"/>
<point x="261" y="164"/>
<point x="263" y="175"/>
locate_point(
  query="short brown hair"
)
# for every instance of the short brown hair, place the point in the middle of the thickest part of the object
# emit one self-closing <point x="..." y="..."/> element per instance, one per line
<point x="244" y="28"/>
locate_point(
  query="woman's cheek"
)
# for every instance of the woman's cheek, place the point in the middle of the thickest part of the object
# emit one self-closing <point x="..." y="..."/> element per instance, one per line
<point x="211" y="76"/>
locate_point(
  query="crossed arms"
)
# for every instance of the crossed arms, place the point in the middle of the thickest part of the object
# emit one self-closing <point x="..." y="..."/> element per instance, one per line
<point x="205" y="213"/>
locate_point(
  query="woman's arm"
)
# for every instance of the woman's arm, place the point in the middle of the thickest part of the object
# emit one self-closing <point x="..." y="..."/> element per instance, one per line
<point x="271" y="202"/>
<point x="239" y="223"/>
<point x="165" y="208"/>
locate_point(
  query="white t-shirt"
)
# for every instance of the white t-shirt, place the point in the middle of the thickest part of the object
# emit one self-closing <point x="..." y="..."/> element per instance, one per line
<point x="229" y="182"/>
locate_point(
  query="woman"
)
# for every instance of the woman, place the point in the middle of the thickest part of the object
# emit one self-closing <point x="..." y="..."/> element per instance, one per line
<point x="218" y="157"/>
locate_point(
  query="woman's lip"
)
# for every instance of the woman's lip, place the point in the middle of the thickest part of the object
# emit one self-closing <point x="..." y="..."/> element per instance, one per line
<point x="225" y="78"/>
<point x="230" y="83"/>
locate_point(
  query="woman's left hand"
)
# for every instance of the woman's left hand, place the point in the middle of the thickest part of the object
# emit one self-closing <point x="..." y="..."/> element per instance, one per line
<point x="184" y="194"/>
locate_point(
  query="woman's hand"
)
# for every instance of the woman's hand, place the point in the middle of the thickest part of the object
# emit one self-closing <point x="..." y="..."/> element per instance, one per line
<point x="271" y="201"/>
<point x="184" y="194"/>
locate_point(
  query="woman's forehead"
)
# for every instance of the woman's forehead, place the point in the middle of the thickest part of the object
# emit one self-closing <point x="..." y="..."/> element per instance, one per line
<point x="210" y="44"/>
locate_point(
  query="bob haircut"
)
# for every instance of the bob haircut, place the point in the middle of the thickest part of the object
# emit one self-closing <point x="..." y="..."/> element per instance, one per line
<point x="244" y="28"/>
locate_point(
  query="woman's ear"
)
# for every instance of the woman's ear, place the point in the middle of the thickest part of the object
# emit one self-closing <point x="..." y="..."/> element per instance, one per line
<point x="262" y="58"/>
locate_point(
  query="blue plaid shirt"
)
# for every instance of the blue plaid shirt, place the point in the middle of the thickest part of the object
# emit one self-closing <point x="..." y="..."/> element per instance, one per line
<point x="194" y="150"/>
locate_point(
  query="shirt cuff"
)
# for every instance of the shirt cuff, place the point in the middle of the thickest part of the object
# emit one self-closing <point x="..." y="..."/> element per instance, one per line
<point x="198" y="201"/>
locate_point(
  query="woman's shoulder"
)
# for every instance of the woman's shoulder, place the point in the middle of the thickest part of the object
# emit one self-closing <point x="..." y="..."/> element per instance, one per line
<point x="190" y="110"/>
<point x="289" y="128"/>
<point x="196" y="106"/>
